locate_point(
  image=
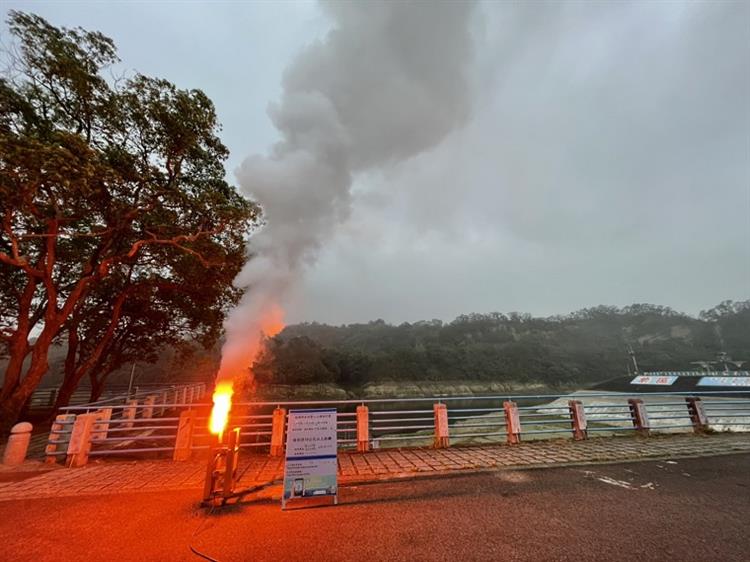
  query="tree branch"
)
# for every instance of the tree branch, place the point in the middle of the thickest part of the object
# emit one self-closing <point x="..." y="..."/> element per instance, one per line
<point x="16" y="259"/>
<point x="177" y="241"/>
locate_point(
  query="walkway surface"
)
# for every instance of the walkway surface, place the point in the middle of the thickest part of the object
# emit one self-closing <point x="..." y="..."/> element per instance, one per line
<point x="109" y="477"/>
<point x="682" y="510"/>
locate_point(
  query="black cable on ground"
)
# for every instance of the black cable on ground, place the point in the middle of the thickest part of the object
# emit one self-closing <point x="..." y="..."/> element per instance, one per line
<point x="239" y="495"/>
<point x="195" y="534"/>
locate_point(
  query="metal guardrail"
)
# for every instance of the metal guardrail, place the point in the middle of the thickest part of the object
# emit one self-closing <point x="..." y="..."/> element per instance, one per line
<point x="152" y="423"/>
<point x="124" y="420"/>
<point x="44" y="398"/>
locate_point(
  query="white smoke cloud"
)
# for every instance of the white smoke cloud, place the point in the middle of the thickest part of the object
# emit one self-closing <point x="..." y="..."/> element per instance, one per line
<point x="606" y="161"/>
<point x="388" y="82"/>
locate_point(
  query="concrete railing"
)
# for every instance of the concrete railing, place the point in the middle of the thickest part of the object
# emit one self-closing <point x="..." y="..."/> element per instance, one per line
<point x="116" y="425"/>
<point x="174" y="423"/>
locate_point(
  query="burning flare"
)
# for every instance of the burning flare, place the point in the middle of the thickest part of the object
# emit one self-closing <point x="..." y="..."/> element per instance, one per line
<point x="222" y="404"/>
<point x="236" y="361"/>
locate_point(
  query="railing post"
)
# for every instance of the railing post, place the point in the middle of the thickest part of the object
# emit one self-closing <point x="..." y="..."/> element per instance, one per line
<point x="363" y="429"/>
<point x="80" y="440"/>
<point x="164" y="399"/>
<point x="183" y="446"/>
<point x="128" y="413"/>
<point x="232" y="461"/>
<point x="191" y="394"/>
<point x="578" y="419"/>
<point x="277" y="432"/>
<point x="697" y="414"/>
<point x="148" y="406"/>
<point x="442" y="435"/>
<point x="640" y="416"/>
<point x="101" y="427"/>
<point x="18" y="444"/>
<point x="58" y="441"/>
<point x="512" y="422"/>
<point x="183" y="395"/>
<point x="52" y="397"/>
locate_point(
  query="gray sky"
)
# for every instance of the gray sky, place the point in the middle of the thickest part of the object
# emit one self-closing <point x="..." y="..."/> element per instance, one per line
<point x="602" y="157"/>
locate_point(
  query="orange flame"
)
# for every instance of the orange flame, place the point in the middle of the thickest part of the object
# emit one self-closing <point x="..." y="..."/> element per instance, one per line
<point x="222" y="404"/>
<point x="237" y="358"/>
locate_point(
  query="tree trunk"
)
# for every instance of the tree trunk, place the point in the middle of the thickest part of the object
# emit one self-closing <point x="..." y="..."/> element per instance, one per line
<point x="97" y="386"/>
<point x="19" y="343"/>
<point x="19" y="350"/>
<point x="9" y="411"/>
<point x="75" y="370"/>
<point x="73" y="375"/>
<point x="11" y="407"/>
<point x="16" y="394"/>
<point x="64" y="394"/>
<point x="69" y="384"/>
<point x="69" y="366"/>
<point x="97" y="382"/>
<point x="96" y="389"/>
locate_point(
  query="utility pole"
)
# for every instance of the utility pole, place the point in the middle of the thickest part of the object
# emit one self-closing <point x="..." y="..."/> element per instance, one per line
<point x="632" y="357"/>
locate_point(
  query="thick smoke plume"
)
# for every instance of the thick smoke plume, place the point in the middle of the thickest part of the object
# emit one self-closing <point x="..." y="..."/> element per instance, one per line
<point x="388" y="82"/>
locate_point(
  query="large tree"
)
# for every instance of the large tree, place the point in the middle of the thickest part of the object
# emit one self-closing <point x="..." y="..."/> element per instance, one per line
<point x="112" y="193"/>
<point x="132" y="319"/>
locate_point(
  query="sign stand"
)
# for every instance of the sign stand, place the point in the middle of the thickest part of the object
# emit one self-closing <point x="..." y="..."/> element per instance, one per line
<point x="310" y="467"/>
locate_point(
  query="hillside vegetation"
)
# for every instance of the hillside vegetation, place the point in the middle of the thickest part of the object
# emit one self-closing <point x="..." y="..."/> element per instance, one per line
<point x="584" y="346"/>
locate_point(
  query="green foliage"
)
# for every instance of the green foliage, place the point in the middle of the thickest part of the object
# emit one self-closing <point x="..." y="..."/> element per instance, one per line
<point x="585" y="346"/>
<point x="119" y="231"/>
<point x="298" y="360"/>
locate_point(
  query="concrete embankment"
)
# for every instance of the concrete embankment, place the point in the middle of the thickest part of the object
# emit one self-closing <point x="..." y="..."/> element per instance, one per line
<point x="403" y="389"/>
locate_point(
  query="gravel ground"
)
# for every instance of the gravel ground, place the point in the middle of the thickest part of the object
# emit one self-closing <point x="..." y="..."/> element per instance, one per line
<point x="694" y="509"/>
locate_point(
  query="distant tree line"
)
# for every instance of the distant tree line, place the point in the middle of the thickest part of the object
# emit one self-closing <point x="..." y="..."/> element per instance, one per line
<point x="587" y="345"/>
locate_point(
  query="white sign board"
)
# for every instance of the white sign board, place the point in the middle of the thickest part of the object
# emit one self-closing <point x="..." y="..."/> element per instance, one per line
<point x="310" y="467"/>
<point x="650" y="379"/>
<point x="724" y="381"/>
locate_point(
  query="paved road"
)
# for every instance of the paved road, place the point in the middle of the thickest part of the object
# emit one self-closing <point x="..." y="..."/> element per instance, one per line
<point x="696" y="509"/>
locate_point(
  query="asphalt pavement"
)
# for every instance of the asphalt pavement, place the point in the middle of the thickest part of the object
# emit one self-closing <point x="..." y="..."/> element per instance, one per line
<point x="689" y="509"/>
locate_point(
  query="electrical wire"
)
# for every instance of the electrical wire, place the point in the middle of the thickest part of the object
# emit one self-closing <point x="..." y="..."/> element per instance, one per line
<point x="195" y="534"/>
<point x="239" y="495"/>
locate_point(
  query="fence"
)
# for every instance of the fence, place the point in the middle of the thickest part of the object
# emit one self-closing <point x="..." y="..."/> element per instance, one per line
<point x="44" y="399"/>
<point x="173" y="423"/>
<point x="115" y="424"/>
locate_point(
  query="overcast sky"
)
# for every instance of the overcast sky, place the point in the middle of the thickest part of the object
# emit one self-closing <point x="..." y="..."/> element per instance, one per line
<point x="602" y="155"/>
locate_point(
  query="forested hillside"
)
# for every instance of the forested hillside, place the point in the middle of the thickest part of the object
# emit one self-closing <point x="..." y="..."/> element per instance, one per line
<point x="585" y="346"/>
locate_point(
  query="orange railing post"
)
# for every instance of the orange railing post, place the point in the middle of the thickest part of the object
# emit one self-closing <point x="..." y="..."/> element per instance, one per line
<point x="363" y="429"/>
<point x="512" y="422"/>
<point x="442" y="436"/>
<point x="277" y="432"/>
